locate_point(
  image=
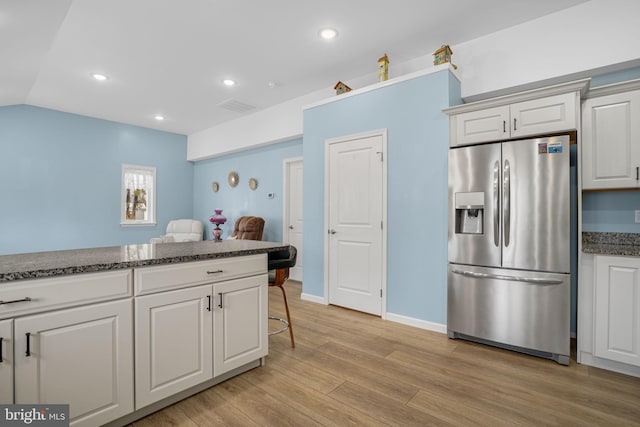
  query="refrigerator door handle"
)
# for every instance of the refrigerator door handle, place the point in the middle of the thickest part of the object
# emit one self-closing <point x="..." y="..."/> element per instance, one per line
<point x="506" y="202"/>
<point x="535" y="280"/>
<point x="496" y="201"/>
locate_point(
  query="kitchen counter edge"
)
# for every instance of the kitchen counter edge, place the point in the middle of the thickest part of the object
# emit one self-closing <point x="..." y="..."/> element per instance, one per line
<point x="67" y="262"/>
<point x="609" y="243"/>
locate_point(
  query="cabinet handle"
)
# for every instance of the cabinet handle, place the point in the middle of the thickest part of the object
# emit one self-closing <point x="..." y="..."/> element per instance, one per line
<point x="215" y="272"/>
<point x="637" y="173"/>
<point x="28" y="352"/>
<point x="26" y="299"/>
<point x="514" y="124"/>
<point x="208" y="302"/>
<point x="220" y="305"/>
<point x="1" y="349"/>
<point x="504" y="126"/>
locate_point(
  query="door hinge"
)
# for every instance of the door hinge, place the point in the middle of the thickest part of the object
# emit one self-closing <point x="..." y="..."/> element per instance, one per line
<point x="381" y="155"/>
<point x="380" y="293"/>
<point x="381" y="225"/>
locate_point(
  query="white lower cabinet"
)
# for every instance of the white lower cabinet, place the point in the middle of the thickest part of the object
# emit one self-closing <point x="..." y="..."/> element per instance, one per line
<point x="6" y="361"/>
<point x="240" y="322"/>
<point x="173" y="342"/>
<point x="81" y="356"/>
<point x="617" y="309"/>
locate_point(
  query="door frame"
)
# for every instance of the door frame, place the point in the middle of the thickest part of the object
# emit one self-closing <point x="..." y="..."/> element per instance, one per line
<point x="337" y="140"/>
<point x="286" y="164"/>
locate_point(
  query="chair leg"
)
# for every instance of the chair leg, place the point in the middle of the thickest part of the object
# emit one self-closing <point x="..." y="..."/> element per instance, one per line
<point x="286" y="306"/>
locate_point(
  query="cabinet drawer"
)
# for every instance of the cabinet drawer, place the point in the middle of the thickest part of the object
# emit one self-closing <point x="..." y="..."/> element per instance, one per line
<point x="65" y="291"/>
<point x="161" y="278"/>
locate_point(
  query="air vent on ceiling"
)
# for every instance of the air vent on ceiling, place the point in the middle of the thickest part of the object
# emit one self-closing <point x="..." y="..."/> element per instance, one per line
<point x="235" y="105"/>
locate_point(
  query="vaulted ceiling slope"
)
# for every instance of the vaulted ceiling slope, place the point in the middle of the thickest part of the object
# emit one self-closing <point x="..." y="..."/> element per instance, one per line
<point x="169" y="57"/>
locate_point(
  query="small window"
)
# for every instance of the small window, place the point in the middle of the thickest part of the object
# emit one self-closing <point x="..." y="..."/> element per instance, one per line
<point x="138" y="205"/>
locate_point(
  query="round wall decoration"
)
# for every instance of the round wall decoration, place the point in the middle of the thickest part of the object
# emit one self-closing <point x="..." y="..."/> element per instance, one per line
<point x="215" y="186"/>
<point x="233" y="178"/>
<point x="253" y="183"/>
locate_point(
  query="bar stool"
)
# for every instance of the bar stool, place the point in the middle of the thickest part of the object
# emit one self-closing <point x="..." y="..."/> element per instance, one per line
<point x="279" y="264"/>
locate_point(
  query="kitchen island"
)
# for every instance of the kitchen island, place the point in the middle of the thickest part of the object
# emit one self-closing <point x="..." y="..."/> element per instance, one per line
<point x="120" y="332"/>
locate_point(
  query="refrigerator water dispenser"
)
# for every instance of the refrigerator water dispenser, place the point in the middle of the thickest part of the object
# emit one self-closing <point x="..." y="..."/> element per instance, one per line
<point x="469" y="212"/>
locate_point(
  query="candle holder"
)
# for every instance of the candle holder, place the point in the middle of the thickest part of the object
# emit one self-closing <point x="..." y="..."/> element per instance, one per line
<point x="218" y="219"/>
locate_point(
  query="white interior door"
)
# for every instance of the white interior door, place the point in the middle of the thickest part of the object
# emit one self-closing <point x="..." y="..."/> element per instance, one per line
<point x="355" y="222"/>
<point x="292" y="233"/>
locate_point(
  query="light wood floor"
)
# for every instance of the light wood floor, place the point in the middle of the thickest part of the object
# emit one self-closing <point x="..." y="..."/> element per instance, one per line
<point x="349" y="368"/>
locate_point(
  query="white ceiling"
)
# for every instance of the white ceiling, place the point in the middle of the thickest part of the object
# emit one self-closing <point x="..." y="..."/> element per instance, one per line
<point x="169" y="56"/>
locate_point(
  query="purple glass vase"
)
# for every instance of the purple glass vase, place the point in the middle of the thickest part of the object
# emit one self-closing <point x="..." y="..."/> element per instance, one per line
<point x="218" y="219"/>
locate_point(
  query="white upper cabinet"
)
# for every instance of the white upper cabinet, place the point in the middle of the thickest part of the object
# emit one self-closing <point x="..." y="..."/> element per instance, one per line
<point x="480" y="126"/>
<point x="536" y="112"/>
<point x="611" y="141"/>
<point x="545" y="115"/>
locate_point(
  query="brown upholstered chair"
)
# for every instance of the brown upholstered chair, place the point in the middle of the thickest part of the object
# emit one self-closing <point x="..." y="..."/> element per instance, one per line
<point x="248" y="228"/>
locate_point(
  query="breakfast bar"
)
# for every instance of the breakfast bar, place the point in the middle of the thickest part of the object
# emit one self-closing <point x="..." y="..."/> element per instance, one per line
<point x="120" y="332"/>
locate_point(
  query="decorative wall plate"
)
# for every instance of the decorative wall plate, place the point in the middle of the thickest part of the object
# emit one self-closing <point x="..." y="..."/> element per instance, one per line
<point x="233" y="178"/>
<point x="253" y="183"/>
<point x="215" y="186"/>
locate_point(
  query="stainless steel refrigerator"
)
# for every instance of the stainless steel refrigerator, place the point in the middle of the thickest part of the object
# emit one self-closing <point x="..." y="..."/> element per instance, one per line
<point x="509" y="245"/>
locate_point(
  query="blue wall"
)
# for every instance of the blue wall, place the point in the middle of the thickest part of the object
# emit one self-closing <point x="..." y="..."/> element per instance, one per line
<point x="418" y="142"/>
<point x="60" y="177"/>
<point x="265" y="165"/>
<point x="610" y="211"/>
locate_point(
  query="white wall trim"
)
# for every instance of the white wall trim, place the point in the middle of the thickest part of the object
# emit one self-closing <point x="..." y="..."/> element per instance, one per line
<point x="386" y="83"/>
<point x="313" y="298"/>
<point x="286" y="184"/>
<point x="612" y="89"/>
<point x="587" y="358"/>
<point x="382" y="133"/>
<point x="418" y="323"/>
<point x="576" y="86"/>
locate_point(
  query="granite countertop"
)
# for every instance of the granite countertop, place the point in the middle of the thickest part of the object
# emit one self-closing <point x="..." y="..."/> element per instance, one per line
<point x="625" y="244"/>
<point x="59" y="263"/>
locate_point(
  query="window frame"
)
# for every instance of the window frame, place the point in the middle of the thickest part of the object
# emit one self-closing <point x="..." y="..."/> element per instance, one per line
<point x="150" y="196"/>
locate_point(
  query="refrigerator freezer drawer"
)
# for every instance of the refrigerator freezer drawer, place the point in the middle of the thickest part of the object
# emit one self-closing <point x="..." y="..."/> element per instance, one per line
<point x="525" y="309"/>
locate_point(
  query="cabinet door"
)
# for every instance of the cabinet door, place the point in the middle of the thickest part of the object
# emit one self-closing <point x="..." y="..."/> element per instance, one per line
<point x="617" y="309"/>
<point x="173" y="342"/>
<point x="491" y="124"/>
<point x="240" y="322"/>
<point x="81" y="356"/>
<point x="6" y="362"/>
<point x="543" y="116"/>
<point x="611" y="141"/>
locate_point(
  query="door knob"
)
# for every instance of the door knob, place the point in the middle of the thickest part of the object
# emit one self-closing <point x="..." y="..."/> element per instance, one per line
<point x="332" y="231"/>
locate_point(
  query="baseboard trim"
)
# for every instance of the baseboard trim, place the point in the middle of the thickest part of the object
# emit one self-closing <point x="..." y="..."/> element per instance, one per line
<point x="418" y="323"/>
<point x="589" y="359"/>
<point x="313" y="298"/>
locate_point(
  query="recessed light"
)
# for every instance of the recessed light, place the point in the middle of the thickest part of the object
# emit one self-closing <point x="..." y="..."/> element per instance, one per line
<point x="159" y="117"/>
<point x="229" y="82"/>
<point x="328" y="33"/>
<point x="99" y="77"/>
